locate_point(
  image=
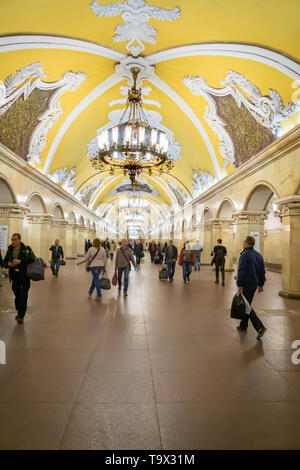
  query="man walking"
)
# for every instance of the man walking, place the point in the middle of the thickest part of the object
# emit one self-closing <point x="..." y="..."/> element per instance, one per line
<point x="138" y="250"/>
<point x="197" y="248"/>
<point x="251" y="275"/>
<point x="57" y="253"/>
<point x="219" y="252"/>
<point x="17" y="258"/>
<point x="122" y="265"/>
<point x="171" y="255"/>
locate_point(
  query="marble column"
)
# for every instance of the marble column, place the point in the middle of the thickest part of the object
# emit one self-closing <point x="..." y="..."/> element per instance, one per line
<point x="38" y="234"/>
<point x="290" y="213"/>
<point x="81" y="240"/>
<point x="244" y="223"/>
<point x="207" y="243"/>
<point x="13" y="216"/>
<point x="71" y="241"/>
<point x="223" y="228"/>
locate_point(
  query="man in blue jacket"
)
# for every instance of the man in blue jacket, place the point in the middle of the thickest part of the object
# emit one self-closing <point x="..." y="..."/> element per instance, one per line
<point x="251" y="275"/>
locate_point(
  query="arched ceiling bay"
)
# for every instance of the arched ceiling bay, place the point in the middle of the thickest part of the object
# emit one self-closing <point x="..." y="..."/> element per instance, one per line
<point x="258" y="42"/>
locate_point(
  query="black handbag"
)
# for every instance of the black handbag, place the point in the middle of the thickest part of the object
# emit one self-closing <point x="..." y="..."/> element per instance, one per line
<point x="105" y="282"/>
<point x="63" y="263"/>
<point x="238" y="307"/>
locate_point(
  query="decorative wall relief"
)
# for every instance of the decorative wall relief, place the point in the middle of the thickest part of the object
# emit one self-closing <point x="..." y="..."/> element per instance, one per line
<point x="86" y="195"/>
<point x="135" y="14"/>
<point x="201" y="181"/>
<point x="242" y="118"/>
<point x="29" y="107"/>
<point x="180" y="195"/>
<point x="65" y="177"/>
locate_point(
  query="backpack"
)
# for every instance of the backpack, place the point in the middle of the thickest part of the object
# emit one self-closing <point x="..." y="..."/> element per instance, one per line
<point x="219" y="255"/>
<point x="187" y="256"/>
<point x="36" y="270"/>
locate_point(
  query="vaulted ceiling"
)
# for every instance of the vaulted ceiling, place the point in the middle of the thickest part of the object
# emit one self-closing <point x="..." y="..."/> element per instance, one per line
<point x="242" y="50"/>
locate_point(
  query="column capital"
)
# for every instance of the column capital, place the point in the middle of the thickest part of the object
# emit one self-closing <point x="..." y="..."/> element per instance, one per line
<point x="35" y="218"/>
<point x="250" y="217"/>
<point x="289" y="205"/>
<point x="17" y="211"/>
<point x="59" y="222"/>
<point x="224" y="223"/>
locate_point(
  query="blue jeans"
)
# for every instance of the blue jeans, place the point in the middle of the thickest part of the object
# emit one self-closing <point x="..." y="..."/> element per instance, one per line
<point x="55" y="265"/>
<point x="96" y="281"/>
<point x="197" y="259"/>
<point x="186" y="269"/>
<point x="171" y="270"/>
<point x="126" y="278"/>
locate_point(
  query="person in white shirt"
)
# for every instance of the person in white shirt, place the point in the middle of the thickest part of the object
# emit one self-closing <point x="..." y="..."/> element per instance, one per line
<point x="96" y="256"/>
<point x="197" y="248"/>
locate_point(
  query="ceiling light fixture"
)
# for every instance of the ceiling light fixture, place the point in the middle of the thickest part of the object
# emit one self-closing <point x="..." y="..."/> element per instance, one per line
<point x="133" y="145"/>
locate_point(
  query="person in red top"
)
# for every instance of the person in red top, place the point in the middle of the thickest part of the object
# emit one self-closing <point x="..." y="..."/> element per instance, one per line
<point x="186" y="260"/>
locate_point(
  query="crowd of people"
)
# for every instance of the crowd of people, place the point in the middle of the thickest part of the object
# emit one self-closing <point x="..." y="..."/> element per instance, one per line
<point x="250" y="276"/>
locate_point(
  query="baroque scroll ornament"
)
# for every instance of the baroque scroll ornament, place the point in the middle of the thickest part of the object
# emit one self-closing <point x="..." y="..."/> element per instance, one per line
<point x="267" y="110"/>
<point x="135" y="14"/>
<point x="31" y="75"/>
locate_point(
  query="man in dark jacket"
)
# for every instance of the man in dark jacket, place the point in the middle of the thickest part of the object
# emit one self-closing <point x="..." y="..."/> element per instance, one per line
<point x="171" y="255"/>
<point x="219" y="252"/>
<point x="251" y="275"/>
<point x="138" y="250"/>
<point x="17" y="258"/>
<point x="57" y="253"/>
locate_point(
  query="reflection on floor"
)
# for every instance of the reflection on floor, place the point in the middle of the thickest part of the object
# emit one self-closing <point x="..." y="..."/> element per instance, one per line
<point x="162" y="368"/>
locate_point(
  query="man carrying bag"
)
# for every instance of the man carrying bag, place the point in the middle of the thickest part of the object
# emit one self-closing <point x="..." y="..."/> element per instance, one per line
<point x="122" y="265"/>
<point x="251" y="275"/>
<point x="17" y="258"/>
<point x="171" y="255"/>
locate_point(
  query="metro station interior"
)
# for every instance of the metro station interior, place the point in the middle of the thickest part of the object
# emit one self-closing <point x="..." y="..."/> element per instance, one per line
<point x="153" y="121"/>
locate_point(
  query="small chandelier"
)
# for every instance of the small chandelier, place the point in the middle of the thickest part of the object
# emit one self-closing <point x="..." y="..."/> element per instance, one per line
<point x="133" y="145"/>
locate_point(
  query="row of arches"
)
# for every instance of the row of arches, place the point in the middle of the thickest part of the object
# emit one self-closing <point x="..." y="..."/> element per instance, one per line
<point x="36" y="205"/>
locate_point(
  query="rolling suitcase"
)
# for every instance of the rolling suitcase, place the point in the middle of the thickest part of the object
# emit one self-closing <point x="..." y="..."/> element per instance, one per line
<point x="163" y="273"/>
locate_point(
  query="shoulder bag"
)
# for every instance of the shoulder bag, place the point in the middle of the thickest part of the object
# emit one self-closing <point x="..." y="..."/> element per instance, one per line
<point x="88" y="264"/>
<point x="125" y="256"/>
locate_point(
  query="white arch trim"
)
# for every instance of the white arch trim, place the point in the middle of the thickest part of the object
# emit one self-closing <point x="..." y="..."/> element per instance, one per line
<point x="93" y="95"/>
<point x="159" y="83"/>
<point x="33" y="41"/>
<point x="244" y="51"/>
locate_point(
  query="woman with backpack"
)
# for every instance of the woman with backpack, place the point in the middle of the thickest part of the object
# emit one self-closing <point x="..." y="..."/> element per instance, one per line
<point x="96" y="259"/>
<point x="186" y="260"/>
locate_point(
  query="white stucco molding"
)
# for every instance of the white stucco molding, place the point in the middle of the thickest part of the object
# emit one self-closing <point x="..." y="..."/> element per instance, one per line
<point x="159" y="83"/>
<point x="35" y="41"/>
<point x="93" y="95"/>
<point x="266" y="56"/>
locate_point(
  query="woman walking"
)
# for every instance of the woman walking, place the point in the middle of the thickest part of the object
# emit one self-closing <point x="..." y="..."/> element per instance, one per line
<point x="186" y="260"/>
<point x="96" y="257"/>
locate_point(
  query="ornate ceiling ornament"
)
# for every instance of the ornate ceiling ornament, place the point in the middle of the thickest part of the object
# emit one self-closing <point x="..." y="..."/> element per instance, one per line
<point x="135" y="14"/>
<point x="13" y="88"/>
<point x="266" y="110"/>
<point x="64" y="177"/>
<point x="180" y="195"/>
<point x="201" y="181"/>
<point x="140" y="189"/>
<point x="86" y="195"/>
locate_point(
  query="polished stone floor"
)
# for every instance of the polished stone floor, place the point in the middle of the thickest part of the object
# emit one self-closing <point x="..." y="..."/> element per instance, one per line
<point x="163" y="368"/>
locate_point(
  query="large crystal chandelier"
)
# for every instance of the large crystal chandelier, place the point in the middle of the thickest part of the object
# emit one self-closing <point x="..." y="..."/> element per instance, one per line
<point x="133" y="145"/>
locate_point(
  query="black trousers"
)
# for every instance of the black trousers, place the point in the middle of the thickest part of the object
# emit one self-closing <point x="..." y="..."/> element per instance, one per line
<point x="218" y="267"/>
<point x="20" y="287"/>
<point x="248" y="293"/>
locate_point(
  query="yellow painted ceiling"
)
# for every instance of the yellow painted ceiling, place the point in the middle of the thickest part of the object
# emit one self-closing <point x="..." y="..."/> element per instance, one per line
<point x="273" y="25"/>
